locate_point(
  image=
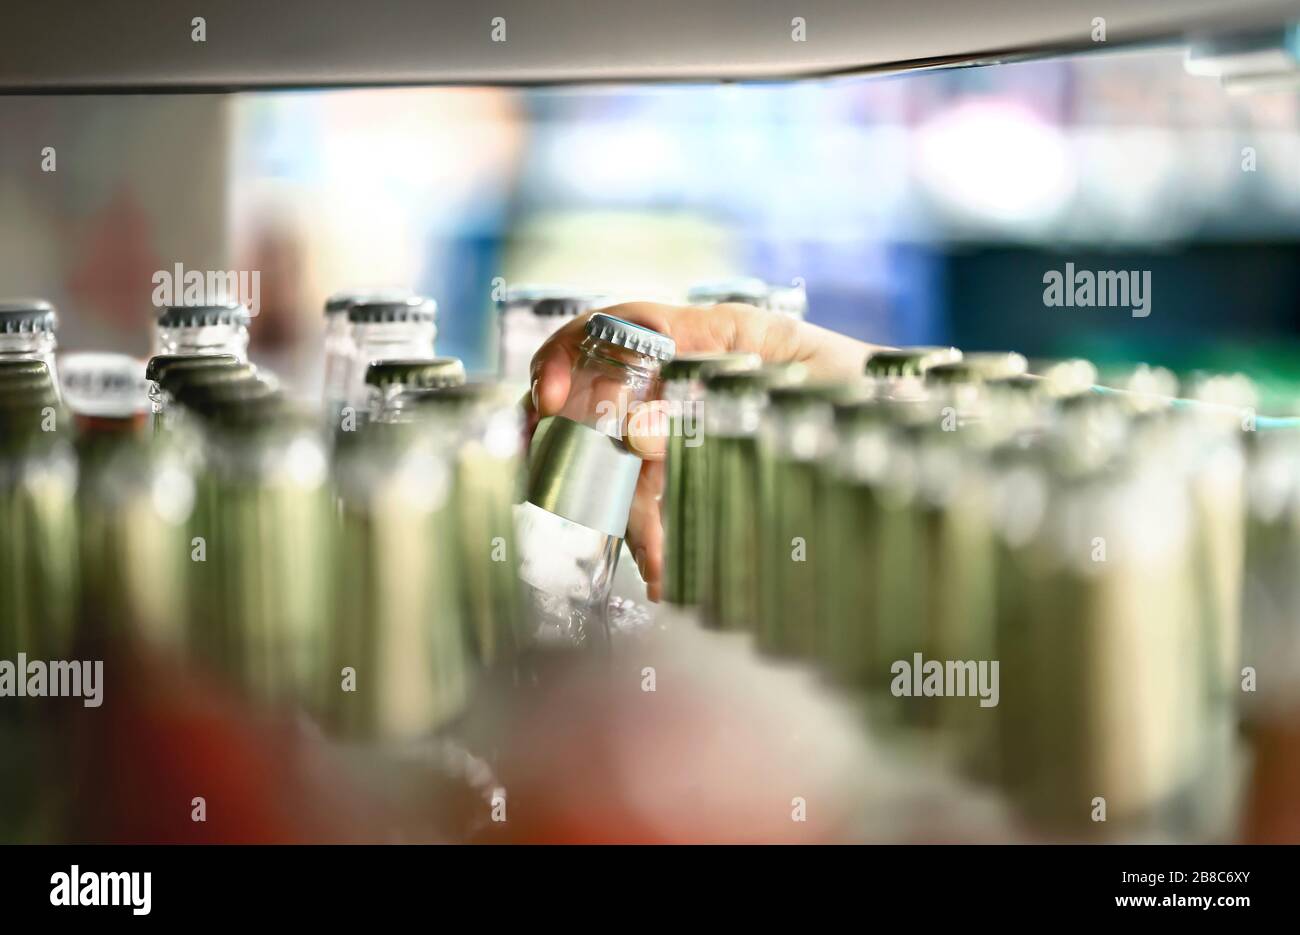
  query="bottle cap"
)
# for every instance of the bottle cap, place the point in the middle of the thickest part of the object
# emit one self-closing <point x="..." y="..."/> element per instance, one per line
<point x="203" y="316"/>
<point x="27" y="316"/>
<point x="421" y="374"/>
<point x="748" y="290"/>
<point x="412" y="308"/>
<point x="552" y="300"/>
<point x="909" y="361"/>
<point x="196" y="372"/>
<point x="340" y="302"/>
<point x="160" y="364"/>
<point x="633" y="337"/>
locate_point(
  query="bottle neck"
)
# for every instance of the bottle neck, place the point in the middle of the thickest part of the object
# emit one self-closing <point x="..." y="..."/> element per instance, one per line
<point x="640" y="368"/>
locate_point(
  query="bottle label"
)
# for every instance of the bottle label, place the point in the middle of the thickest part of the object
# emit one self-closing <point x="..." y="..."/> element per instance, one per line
<point x="583" y="475"/>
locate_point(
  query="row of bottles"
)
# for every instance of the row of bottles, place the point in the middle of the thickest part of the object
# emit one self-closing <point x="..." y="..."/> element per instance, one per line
<point x="1099" y="570"/>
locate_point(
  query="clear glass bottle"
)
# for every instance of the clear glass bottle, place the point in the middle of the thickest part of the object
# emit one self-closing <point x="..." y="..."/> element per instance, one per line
<point x="203" y="329"/>
<point x="529" y="315"/>
<point x="27" y="329"/>
<point x="387" y="379"/>
<point x="685" y="498"/>
<point x="791" y="301"/>
<point x="112" y="385"/>
<point x="386" y="329"/>
<point x="581" y="483"/>
<point x="338" y="349"/>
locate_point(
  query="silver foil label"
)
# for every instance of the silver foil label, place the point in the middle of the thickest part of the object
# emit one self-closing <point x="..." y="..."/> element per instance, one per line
<point x="583" y="475"/>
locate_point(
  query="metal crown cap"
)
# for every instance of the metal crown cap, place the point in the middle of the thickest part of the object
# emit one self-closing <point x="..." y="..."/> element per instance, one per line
<point x="909" y="361"/>
<point x="748" y="290"/>
<point x="432" y="373"/>
<point x="633" y="337"/>
<point x="342" y="301"/>
<point x="159" y="364"/>
<point x="202" y="316"/>
<point x="18" y="316"/>
<point x="564" y="306"/>
<point x="413" y="308"/>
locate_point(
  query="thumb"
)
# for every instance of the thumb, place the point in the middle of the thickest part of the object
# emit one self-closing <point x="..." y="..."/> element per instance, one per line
<point x="648" y="427"/>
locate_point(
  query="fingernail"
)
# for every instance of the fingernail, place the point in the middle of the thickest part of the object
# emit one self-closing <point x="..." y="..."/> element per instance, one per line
<point x="534" y="392"/>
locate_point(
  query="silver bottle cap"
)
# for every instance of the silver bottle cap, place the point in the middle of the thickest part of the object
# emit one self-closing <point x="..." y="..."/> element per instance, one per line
<point x="633" y="337"/>
<point x="19" y="316"/>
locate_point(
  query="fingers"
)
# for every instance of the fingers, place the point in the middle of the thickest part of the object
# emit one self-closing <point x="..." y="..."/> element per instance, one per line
<point x="645" y="534"/>
<point x="647" y="430"/>
<point x="549" y="373"/>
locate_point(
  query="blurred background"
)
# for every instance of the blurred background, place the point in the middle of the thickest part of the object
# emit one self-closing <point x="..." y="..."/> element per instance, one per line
<point x="924" y="208"/>
<point x="918" y="208"/>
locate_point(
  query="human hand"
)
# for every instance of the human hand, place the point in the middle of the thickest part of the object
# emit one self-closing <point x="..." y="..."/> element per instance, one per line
<point x="696" y="330"/>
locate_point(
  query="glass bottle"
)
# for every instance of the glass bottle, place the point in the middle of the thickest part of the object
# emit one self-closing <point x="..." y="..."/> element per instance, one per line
<point x="259" y="587"/>
<point x="396" y="627"/>
<point x="530" y="314"/>
<point x="795" y="438"/>
<point x="133" y="505"/>
<point x="389" y="378"/>
<point x="386" y="329"/>
<point x="900" y="372"/>
<point x="338" y="349"/>
<point x="160" y="366"/>
<point x="203" y="329"/>
<point x="685" y="498"/>
<point x="38" y="582"/>
<point x="730" y="582"/>
<point x="111" y="385"/>
<point x="1102" y="680"/>
<point x="27" y="329"/>
<point x="791" y="301"/>
<point x="479" y="426"/>
<point x="581" y="483"/>
<point x="38" y="474"/>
